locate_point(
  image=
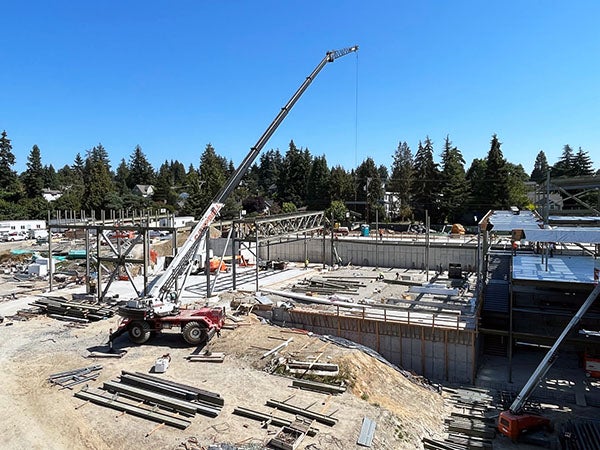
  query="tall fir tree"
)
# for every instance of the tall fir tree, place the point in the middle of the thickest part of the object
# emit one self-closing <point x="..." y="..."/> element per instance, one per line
<point x="318" y="190"/>
<point x="565" y="166"/>
<point x="583" y="165"/>
<point x="496" y="176"/>
<point x="426" y="188"/>
<point x="478" y="187"/>
<point x="454" y="191"/>
<point x="98" y="181"/>
<point x="8" y="177"/>
<point x="540" y="168"/>
<point x="401" y="178"/>
<point x="293" y="178"/>
<point x="341" y="184"/>
<point x="140" y="169"/>
<point x="33" y="177"/>
<point x="369" y="188"/>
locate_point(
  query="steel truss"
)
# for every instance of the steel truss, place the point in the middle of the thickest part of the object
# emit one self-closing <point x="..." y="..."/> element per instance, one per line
<point x="282" y="226"/>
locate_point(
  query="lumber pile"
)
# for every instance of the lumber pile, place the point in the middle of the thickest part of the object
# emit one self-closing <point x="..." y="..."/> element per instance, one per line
<point x="59" y="308"/>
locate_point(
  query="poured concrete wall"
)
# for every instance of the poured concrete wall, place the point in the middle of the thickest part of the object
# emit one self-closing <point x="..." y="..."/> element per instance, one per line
<point x="369" y="252"/>
<point x="438" y="354"/>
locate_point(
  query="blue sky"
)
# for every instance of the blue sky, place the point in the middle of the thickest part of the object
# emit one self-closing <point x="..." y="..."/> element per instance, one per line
<point x="172" y="76"/>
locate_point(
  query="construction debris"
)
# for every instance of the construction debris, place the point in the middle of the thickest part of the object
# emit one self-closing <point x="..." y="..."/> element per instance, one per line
<point x="290" y="437"/>
<point x="276" y="349"/>
<point x="268" y="419"/>
<point x="367" y="432"/>
<point x="207" y="356"/>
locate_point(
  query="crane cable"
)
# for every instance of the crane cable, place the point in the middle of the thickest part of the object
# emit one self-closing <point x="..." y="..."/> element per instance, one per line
<point x="356" y="116"/>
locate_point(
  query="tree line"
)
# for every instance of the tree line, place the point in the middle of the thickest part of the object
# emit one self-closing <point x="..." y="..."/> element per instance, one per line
<point x="446" y="191"/>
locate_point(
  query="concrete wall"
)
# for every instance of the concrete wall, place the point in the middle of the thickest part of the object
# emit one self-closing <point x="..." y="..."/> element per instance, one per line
<point x="438" y="354"/>
<point x="370" y="252"/>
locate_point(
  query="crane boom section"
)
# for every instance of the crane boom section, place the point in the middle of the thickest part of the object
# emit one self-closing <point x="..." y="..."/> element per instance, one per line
<point x="185" y="256"/>
<point x="550" y="357"/>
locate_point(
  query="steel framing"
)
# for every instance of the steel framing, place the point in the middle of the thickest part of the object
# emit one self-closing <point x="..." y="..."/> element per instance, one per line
<point x="119" y="254"/>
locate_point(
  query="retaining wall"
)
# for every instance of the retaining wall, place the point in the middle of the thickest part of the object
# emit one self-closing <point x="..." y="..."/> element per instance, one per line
<point x="439" y="354"/>
<point x="369" y="252"/>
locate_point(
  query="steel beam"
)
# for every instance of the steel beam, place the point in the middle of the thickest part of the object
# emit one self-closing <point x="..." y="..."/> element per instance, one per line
<point x="154" y="416"/>
<point x="326" y="420"/>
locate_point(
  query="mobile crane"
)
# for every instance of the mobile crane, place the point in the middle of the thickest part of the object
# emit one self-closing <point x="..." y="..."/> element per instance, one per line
<point x="515" y="421"/>
<point x="160" y="308"/>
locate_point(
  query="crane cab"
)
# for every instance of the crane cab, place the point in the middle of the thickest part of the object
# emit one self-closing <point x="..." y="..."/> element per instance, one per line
<point x="513" y="425"/>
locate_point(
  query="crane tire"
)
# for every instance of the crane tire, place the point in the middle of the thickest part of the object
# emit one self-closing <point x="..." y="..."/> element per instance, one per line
<point x="139" y="332"/>
<point x="194" y="333"/>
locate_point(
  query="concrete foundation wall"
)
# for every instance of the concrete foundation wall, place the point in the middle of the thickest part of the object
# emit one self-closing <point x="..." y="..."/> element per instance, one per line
<point x="368" y="252"/>
<point x="438" y="354"/>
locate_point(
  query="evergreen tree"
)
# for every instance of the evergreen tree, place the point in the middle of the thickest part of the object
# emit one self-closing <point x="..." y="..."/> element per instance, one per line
<point x="179" y="173"/>
<point x="122" y="178"/>
<point x="565" y="166"/>
<point x="78" y="167"/>
<point x="98" y="180"/>
<point x="582" y="163"/>
<point x="369" y="188"/>
<point x="8" y="177"/>
<point x="426" y="188"/>
<point x="50" y="177"/>
<point x="293" y="178"/>
<point x="164" y="186"/>
<point x="496" y="175"/>
<point x="204" y="184"/>
<point x="33" y="177"/>
<point x="140" y="170"/>
<point x="402" y="178"/>
<point x="341" y="184"/>
<point x="268" y="171"/>
<point x="318" y="190"/>
<point x="478" y="187"/>
<point x="540" y="168"/>
<point x="517" y="192"/>
<point x="454" y="183"/>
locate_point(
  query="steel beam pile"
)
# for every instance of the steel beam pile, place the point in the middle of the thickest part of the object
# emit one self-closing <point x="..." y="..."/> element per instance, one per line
<point x="580" y="434"/>
<point x="71" y="310"/>
<point x="328" y="287"/>
<point x="471" y="425"/>
<point x="170" y="403"/>
<point x="70" y="378"/>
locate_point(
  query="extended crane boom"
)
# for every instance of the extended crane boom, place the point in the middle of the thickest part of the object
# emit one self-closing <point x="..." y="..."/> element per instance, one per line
<point x="513" y="422"/>
<point x="163" y="296"/>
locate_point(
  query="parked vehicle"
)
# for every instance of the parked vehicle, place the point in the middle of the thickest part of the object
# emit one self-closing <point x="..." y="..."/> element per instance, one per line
<point x="14" y="236"/>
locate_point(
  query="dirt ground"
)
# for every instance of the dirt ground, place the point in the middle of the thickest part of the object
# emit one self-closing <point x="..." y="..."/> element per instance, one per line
<point x="37" y="415"/>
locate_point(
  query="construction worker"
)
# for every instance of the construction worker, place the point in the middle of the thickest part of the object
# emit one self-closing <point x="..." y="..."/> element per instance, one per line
<point x="514" y="248"/>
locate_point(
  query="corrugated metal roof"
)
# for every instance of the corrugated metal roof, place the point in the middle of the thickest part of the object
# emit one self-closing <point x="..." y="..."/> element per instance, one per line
<point x="565" y="234"/>
<point x="508" y="220"/>
<point x="562" y="269"/>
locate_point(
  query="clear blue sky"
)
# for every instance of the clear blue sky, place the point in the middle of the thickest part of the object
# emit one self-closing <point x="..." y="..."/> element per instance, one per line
<point x="173" y="76"/>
